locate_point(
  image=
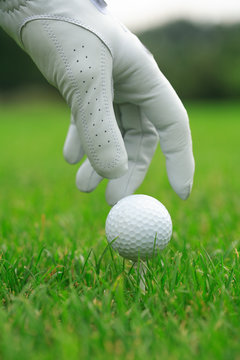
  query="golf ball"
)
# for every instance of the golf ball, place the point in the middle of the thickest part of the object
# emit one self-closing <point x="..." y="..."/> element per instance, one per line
<point x="138" y="226"/>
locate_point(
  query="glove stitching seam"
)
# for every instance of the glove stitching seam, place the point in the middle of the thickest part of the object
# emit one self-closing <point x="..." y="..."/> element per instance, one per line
<point x="65" y="19"/>
<point x="105" y="100"/>
<point x="77" y="94"/>
<point x="71" y="77"/>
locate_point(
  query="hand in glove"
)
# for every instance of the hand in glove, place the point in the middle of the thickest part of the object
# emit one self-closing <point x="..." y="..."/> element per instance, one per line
<point x="96" y="62"/>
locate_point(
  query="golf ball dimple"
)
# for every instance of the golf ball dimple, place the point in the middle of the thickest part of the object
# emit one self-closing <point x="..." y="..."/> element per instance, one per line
<point x="138" y="226"/>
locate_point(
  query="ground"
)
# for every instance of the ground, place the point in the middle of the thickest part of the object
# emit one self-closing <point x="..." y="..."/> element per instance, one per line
<point x="65" y="295"/>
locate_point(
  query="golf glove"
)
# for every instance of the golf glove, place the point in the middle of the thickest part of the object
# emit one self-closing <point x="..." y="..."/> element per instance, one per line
<point x="121" y="103"/>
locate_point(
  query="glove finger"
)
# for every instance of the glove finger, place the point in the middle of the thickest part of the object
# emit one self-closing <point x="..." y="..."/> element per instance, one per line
<point x="73" y="151"/>
<point x="143" y="84"/>
<point x="87" y="178"/>
<point x="140" y="138"/>
<point x="94" y="114"/>
<point x="173" y="128"/>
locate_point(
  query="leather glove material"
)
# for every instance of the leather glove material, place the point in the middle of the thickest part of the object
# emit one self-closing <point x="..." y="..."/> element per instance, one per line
<point x="96" y="62"/>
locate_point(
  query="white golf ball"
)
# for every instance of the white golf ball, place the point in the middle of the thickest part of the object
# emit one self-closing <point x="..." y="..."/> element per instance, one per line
<point x="138" y="226"/>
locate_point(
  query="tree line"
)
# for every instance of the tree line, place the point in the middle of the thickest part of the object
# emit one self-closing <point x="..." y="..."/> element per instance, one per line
<point x="201" y="61"/>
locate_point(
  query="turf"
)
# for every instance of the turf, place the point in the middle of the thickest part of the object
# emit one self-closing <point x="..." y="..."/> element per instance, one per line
<point x="65" y="295"/>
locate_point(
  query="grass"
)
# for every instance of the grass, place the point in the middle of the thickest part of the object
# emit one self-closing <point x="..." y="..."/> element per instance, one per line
<point x="64" y="295"/>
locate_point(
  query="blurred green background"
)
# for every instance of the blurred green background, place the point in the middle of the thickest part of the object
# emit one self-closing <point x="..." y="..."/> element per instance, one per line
<point x="200" y="60"/>
<point x="60" y="297"/>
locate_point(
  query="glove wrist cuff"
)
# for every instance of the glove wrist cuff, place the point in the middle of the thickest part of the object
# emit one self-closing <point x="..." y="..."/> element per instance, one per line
<point x="12" y="15"/>
<point x="12" y="5"/>
<point x="16" y="13"/>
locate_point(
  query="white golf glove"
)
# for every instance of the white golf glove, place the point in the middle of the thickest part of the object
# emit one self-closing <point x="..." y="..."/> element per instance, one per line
<point x="95" y="61"/>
